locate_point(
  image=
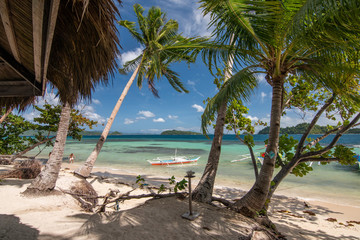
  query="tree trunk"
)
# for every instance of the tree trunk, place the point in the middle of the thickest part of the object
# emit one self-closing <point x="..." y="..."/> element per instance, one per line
<point x="203" y="191"/>
<point x="253" y="160"/>
<point x="255" y="199"/>
<point x="46" y="180"/>
<point x="30" y="148"/>
<point x="85" y="170"/>
<point x="3" y="117"/>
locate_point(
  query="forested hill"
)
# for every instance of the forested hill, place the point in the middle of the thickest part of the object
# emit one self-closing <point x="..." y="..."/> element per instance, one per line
<point x="301" y="128"/>
<point x="176" y="132"/>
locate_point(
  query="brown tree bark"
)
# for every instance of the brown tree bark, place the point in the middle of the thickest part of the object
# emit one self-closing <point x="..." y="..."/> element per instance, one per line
<point x="204" y="189"/>
<point x="255" y="198"/>
<point x="30" y="148"/>
<point x="3" y="117"/>
<point x="85" y="170"/>
<point x="46" y="180"/>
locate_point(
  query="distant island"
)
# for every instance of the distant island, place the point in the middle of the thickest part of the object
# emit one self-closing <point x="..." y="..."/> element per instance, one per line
<point x="176" y="132"/>
<point x="301" y="128"/>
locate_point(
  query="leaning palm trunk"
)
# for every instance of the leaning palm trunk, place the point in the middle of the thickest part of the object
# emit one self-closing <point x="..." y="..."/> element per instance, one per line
<point x="30" y="148"/>
<point x="86" y="169"/>
<point x="3" y="117"/>
<point x="255" y="199"/>
<point x="203" y="191"/>
<point x="46" y="180"/>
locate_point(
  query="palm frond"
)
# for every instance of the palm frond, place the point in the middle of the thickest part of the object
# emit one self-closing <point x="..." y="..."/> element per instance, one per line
<point x="130" y="26"/>
<point x="239" y="86"/>
<point x="131" y="65"/>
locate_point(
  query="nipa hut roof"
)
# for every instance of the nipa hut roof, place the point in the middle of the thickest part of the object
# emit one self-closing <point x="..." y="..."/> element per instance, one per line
<point x="71" y="43"/>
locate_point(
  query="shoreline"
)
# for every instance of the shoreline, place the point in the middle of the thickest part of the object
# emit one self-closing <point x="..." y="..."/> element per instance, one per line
<point x="284" y="190"/>
<point x="42" y="215"/>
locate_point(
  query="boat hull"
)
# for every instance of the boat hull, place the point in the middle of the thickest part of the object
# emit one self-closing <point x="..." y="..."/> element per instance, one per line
<point x="172" y="162"/>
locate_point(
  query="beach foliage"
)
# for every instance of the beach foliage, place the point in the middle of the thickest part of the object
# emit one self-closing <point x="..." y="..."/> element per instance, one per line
<point x="318" y="40"/>
<point x="140" y="181"/>
<point x="13" y="132"/>
<point x="178" y="185"/>
<point x="296" y="156"/>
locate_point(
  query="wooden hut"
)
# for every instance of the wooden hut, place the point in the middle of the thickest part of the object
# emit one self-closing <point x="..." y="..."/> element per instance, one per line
<point x="70" y="44"/>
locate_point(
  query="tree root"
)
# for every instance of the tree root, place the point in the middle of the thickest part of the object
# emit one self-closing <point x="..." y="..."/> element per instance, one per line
<point x="269" y="229"/>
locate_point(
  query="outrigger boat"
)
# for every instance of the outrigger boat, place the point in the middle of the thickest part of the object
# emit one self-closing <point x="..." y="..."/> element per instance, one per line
<point x="173" y="160"/>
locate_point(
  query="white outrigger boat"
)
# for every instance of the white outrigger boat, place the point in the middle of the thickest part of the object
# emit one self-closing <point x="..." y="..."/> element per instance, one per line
<point x="173" y="160"/>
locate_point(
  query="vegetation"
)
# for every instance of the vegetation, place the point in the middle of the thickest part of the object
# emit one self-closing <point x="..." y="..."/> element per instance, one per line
<point x="282" y="39"/>
<point x="301" y="128"/>
<point x="203" y="191"/>
<point x="14" y="132"/>
<point x="163" y="46"/>
<point x="177" y="132"/>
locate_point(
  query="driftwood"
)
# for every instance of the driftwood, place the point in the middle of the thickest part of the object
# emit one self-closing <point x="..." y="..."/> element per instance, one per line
<point x="27" y="169"/>
<point x="84" y="192"/>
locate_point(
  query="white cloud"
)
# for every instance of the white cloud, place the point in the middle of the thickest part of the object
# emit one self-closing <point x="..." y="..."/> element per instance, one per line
<point x="31" y="115"/>
<point x="198" y="108"/>
<point x="152" y="130"/>
<point x="197" y="23"/>
<point x="146" y="114"/>
<point x="89" y="112"/>
<point x="194" y="129"/>
<point x="263" y="95"/>
<point x="179" y="2"/>
<point x="159" y="120"/>
<point x="253" y="119"/>
<point x="193" y="86"/>
<point x="173" y="117"/>
<point x="130" y="55"/>
<point x="140" y="118"/>
<point x="49" y="97"/>
<point x="96" y="101"/>
<point x="260" y="77"/>
<point x="128" y="121"/>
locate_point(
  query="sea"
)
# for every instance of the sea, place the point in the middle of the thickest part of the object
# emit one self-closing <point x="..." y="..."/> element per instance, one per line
<point x="333" y="182"/>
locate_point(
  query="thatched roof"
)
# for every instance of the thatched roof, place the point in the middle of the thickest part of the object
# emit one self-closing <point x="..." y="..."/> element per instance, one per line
<point x="71" y="43"/>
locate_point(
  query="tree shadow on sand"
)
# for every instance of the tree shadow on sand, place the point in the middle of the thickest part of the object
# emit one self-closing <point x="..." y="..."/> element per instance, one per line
<point x="293" y="231"/>
<point x="161" y="219"/>
<point x="11" y="228"/>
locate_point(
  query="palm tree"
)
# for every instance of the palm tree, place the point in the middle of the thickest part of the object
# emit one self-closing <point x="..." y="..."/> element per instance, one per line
<point x="46" y="180"/>
<point x="162" y="46"/>
<point x="203" y="191"/>
<point x="278" y="38"/>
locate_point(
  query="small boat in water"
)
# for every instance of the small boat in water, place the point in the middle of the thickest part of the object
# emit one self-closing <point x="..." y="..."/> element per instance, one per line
<point x="174" y="160"/>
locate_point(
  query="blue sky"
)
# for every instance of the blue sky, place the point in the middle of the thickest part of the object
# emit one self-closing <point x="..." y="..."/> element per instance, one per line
<point x="141" y="112"/>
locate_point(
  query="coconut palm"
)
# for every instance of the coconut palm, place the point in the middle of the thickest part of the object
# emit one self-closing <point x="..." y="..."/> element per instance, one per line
<point x="76" y="67"/>
<point x="278" y="38"/>
<point x="162" y="45"/>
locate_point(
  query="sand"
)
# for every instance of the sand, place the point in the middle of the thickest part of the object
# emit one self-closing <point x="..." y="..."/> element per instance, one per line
<point x="60" y="216"/>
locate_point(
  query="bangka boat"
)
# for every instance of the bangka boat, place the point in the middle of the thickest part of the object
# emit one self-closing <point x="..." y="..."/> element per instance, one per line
<point x="173" y="160"/>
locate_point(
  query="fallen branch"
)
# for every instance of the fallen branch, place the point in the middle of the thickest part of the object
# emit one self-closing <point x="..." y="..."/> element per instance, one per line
<point x="107" y="201"/>
<point x="153" y="195"/>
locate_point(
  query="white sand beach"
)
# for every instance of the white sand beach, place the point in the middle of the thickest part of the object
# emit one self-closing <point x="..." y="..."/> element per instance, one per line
<point x="60" y="216"/>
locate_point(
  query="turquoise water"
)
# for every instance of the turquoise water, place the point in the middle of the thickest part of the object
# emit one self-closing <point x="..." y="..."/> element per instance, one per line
<point x="333" y="182"/>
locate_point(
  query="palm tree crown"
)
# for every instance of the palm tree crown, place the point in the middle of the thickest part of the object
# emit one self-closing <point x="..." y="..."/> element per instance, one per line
<point x="278" y="38"/>
<point x="162" y="45"/>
